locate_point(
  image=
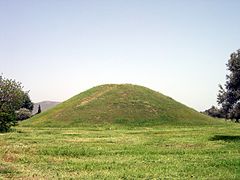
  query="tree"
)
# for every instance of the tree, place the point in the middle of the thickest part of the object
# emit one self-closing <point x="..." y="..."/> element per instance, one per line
<point x="11" y="95"/>
<point x="11" y="99"/>
<point x="229" y="97"/>
<point x="27" y="103"/>
<point x="39" y="109"/>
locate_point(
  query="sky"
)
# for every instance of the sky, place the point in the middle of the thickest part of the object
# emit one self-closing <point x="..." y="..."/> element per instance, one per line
<point x="59" y="48"/>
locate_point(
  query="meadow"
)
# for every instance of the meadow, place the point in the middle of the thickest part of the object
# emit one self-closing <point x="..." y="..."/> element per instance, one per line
<point x="121" y="152"/>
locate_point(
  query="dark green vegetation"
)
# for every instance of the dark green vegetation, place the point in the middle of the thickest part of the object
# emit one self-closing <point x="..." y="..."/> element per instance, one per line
<point x="119" y="104"/>
<point x="111" y="152"/>
<point x="12" y="98"/>
<point x="6" y="121"/>
<point x="229" y="96"/>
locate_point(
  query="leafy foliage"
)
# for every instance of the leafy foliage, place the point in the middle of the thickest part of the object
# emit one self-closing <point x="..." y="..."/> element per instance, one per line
<point x="214" y="112"/>
<point x="12" y="98"/>
<point x="6" y="121"/>
<point x="23" y="114"/>
<point x="229" y="97"/>
<point x="11" y="95"/>
<point x="27" y="103"/>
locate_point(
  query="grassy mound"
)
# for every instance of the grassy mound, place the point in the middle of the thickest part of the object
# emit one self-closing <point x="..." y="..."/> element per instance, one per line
<point x="119" y="104"/>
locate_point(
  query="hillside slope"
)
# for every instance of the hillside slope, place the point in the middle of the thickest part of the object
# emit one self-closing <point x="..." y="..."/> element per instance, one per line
<point x="123" y="104"/>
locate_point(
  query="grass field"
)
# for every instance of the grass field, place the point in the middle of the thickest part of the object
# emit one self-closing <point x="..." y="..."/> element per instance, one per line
<point x="114" y="152"/>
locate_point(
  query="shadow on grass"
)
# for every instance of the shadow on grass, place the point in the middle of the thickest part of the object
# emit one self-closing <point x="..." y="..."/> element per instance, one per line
<point x="225" y="138"/>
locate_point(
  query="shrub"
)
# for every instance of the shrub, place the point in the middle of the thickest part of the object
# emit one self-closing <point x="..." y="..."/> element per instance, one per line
<point x="23" y="114"/>
<point x="6" y="121"/>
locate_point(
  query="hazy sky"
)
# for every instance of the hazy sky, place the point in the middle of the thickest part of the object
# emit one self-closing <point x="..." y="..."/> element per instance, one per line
<point x="59" y="48"/>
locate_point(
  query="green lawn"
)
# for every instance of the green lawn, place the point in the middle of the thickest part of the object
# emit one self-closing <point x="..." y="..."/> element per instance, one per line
<point x="112" y="152"/>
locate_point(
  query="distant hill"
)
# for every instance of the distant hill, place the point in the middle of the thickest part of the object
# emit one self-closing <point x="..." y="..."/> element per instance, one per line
<point x="45" y="105"/>
<point x="123" y="104"/>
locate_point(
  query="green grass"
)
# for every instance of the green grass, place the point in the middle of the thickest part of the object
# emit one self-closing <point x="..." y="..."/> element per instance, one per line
<point x="121" y="132"/>
<point x="119" y="104"/>
<point x="122" y="152"/>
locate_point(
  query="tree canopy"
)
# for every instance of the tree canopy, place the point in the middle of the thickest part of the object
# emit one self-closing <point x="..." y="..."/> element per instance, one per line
<point x="27" y="103"/>
<point x="12" y="98"/>
<point x="229" y="96"/>
<point x="11" y="95"/>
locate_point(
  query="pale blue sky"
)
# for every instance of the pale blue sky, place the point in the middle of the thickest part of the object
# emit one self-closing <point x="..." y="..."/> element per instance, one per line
<point x="58" y="48"/>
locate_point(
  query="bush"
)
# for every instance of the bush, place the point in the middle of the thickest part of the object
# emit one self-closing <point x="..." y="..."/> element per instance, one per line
<point x="23" y="114"/>
<point x="6" y="121"/>
<point x="214" y="112"/>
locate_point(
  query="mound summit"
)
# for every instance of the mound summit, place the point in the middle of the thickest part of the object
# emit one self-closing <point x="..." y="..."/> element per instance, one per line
<point x="123" y="104"/>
